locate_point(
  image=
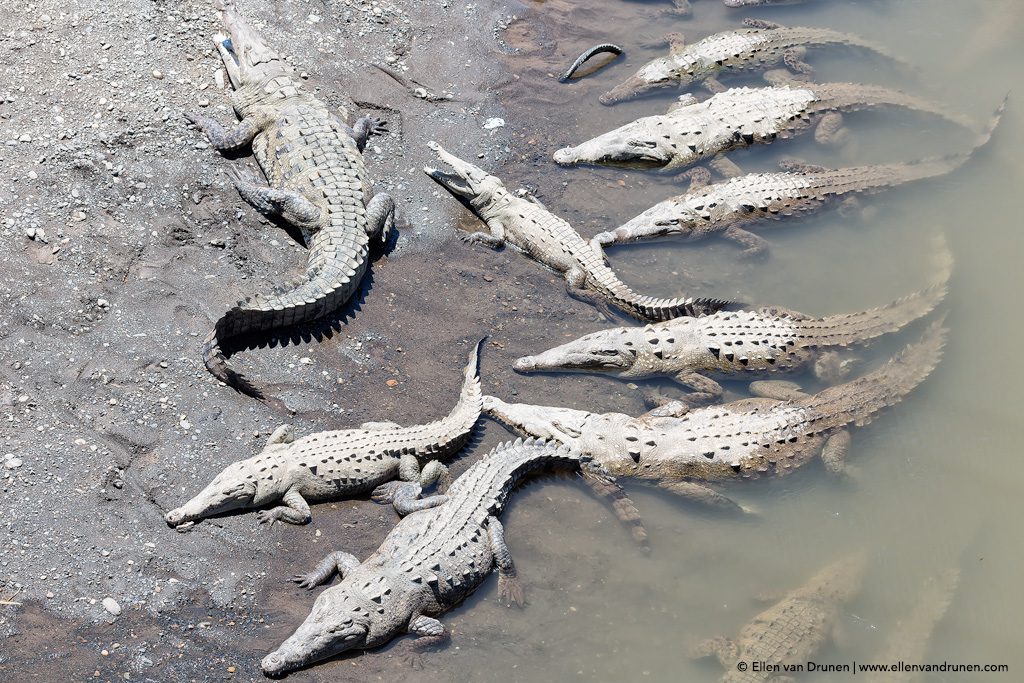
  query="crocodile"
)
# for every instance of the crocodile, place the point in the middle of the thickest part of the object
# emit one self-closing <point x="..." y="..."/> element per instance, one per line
<point x="682" y="450"/>
<point x="318" y="183"/>
<point x="761" y="3"/>
<point x="692" y="131"/>
<point x="524" y="223"/>
<point x="791" y="631"/>
<point x="334" y="464"/>
<point x="431" y="561"/>
<point x="759" y="45"/>
<point x="908" y="641"/>
<point x="800" y="189"/>
<point x="731" y="343"/>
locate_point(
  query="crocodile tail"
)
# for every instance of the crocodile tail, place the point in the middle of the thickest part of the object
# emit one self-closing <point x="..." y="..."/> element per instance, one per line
<point x="217" y="363"/>
<point x="858" y="402"/>
<point x="824" y="36"/>
<point x="855" y="96"/>
<point x="647" y="308"/>
<point x="460" y="421"/>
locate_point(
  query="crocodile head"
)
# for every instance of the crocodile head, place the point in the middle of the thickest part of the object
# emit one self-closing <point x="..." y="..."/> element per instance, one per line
<point x="634" y="145"/>
<point x="659" y="73"/>
<point x="334" y="625"/>
<point x="564" y="425"/>
<point x="469" y="183"/>
<point x="247" y="59"/>
<point x="232" y="489"/>
<point x="605" y="351"/>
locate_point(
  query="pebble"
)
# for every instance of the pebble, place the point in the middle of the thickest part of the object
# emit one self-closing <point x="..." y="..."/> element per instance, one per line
<point x="110" y="604"/>
<point x="392" y="382"/>
<point x="11" y="462"/>
<point x="158" y="74"/>
<point x="491" y="124"/>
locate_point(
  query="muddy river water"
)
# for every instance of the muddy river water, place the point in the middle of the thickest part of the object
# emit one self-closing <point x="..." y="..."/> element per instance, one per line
<point x="938" y="478"/>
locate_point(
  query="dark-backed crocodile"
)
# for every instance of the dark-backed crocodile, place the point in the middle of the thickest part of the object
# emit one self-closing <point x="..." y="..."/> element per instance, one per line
<point x="791" y="631"/>
<point x="726" y="208"/>
<point x="529" y="227"/>
<point x="692" y="131"/>
<point x="760" y="45"/>
<point x="336" y="464"/>
<point x="317" y="182"/>
<point x="428" y="564"/>
<point x="681" y="450"/>
<point x="727" y="344"/>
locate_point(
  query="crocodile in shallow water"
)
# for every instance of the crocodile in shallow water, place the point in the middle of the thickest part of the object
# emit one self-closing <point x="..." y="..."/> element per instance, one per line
<point x="431" y="561"/>
<point x="726" y="208"/>
<point x="759" y="45"/>
<point x="317" y="182"/>
<point x="529" y="227"/>
<point x="681" y="449"/>
<point x="692" y="131"/>
<point x="793" y="630"/>
<point x="728" y="344"/>
<point x="337" y="464"/>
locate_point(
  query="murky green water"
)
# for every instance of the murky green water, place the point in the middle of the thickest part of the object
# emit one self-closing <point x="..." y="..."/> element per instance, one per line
<point x="940" y="475"/>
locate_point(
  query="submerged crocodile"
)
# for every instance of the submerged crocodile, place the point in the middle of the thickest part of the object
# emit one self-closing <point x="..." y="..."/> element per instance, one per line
<point x="793" y="630"/>
<point x="681" y="450"/>
<point x="725" y="208"/>
<point x="331" y="465"/>
<point x="431" y="561"/>
<point x="529" y="227"/>
<point x="692" y="131"/>
<point x="761" y="44"/>
<point x="908" y="641"/>
<point x="731" y="343"/>
<point x="318" y="183"/>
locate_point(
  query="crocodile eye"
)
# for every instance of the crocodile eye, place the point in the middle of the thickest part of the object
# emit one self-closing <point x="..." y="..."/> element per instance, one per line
<point x="649" y="144"/>
<point x="607" y="352"/>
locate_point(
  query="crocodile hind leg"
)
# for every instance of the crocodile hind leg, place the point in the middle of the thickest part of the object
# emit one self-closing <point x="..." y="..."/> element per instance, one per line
<point x="725" y="167"/>
<point x="433" y="472"/>
<point x="380" y="217"/>
<point x="340" y="562"/>
<point x="226" y="139"/>
<point x="404" y="497"/>
<point x="702" y="389"/>
<point x="832" y="367"/>
<point x="510" y="588"/>
<point x="270" y="201"/>
<point x="364" y="127"/>
<point x="778" y="389"/>
<point x="429" y="632"/>
<point x="833" y="453"/>
<point x="713" y="85"/>
<point x="575" y="286"/>
<point x="753" y="245"/>
<point x="830" y="130"/>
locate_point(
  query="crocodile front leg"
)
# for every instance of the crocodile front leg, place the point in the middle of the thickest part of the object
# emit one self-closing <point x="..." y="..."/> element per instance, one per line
<point x="429" y="632"/>
<point x="753" y="245"/>
<point x="623" y="506"/>
<point x="270" y="201"/>
<point x="698" y="493"/>
<point x="702" y="389"/>
<point x="226" y="139"/>
<point x="340" y="562"/>
<point x="364" y="127"/>
<point x="495" y="239"/>
<point x="725" y="167"/>
<point x="294" y="511"/>
<point x="713" y="85"/>
<point x="510" y="589"/>
<point x="699" y="177"/>
<point x="726" y="651"/>
<point x="380" y="217"/>
<point x="830" y="130"/>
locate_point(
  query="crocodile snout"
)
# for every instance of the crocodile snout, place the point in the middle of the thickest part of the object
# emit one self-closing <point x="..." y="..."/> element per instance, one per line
<point x="525" y="364"/>
<point x="273" y="665"/>
<point x="565" y="156"/>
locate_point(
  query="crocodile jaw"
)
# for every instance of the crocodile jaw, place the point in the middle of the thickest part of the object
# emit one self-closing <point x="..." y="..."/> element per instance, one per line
<point x="564" y="425"/>
<point x="464" y="180"/>
<point x="230" y="490"/>
<point x="247" y="59"/>
<point x="655" y="75"/>
<point x="329" y="630"/>
<point x="631" y="146"/>
<point x="590" y="353"/>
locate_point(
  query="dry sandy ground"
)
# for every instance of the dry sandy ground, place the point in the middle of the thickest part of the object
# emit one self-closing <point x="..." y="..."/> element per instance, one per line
<point x="124" y="241"/>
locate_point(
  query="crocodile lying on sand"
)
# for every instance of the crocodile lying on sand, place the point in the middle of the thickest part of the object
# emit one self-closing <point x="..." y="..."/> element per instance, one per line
<point x="728" y="344"/>
<point x="431" y="561"/>
<point x="793" y="630"/>
<point x="529" y="227"/>
<point x="725" y="208"/>
<point x="318" y="183"/>
<point x="761" y="44"/>
<point x="336" y="464"/>
<point x="692" y="131"/>
<point x="680" y="449"/>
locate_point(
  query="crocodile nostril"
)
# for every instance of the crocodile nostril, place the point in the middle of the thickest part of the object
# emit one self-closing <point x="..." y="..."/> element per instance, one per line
<point x="524" y="364"/>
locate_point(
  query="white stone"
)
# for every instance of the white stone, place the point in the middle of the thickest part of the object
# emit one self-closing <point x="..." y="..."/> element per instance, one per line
<point x="110" y="604"/>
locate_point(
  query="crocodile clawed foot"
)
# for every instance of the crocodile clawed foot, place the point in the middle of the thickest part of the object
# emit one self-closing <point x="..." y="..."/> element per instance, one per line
<point x="377" y="126"/>
<point x="267" y="517"/>
<point x="510" y="591"/>
<point x="307" y="581"/>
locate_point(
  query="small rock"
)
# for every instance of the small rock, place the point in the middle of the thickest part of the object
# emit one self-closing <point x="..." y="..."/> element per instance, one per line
<point x="102" y="303"/>
<point x="12" y="463"/>
<point x="305" y="360"/>
<point x="110" y="604"/>
<point x="25" y="137"/>
<point x="420" y="93"/>
<point x="491" y="124"/>
<point x="392" y="382"/>
<point x="158" y="74"/>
